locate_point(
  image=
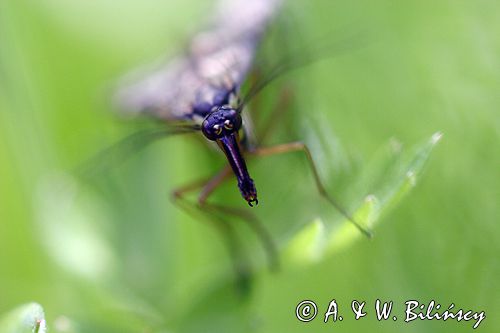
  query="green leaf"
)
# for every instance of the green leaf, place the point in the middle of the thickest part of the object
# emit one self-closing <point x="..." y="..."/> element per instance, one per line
<point x="71" y="224"/>
<point x="343" y="236"/>
<point x="28" y="318"/>
<point x="307" y="245"/>
<point x="388" y="177"/>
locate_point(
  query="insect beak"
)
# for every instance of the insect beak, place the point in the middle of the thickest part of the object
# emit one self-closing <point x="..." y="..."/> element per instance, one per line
<point x="229" y="144"/>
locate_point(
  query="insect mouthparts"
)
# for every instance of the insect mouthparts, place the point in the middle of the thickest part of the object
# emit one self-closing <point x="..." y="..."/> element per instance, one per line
<point x="248" y="191"/>
<point x="254" y="200"/>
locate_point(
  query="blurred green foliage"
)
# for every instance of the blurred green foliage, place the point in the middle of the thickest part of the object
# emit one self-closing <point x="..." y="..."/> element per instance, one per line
<point x="26" y="318"/>
<point x="117" y="256"/>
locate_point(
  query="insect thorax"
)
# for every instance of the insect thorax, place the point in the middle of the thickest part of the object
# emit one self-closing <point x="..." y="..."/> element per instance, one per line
<point x="202" y="110"/>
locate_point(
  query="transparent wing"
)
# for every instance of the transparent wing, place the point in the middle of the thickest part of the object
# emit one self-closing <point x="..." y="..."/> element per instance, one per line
<point x="288" y="56"/>
<point x="114" y="155"/>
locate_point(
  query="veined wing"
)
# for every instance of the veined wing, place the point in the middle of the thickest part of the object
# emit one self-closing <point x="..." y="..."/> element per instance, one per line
<point x="216" y="64"/>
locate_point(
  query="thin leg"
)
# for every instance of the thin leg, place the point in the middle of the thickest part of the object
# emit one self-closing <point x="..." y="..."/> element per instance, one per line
<point x="207" y="188"/>
<point x="300" y="146"/>
<point x="282" y="106"/>
<point x="256" y="226"/>
<point x="239" y="259"/>
<point x="255" y="103"/>
<point x="212" y="184"/>
<point x="250" y="219"/>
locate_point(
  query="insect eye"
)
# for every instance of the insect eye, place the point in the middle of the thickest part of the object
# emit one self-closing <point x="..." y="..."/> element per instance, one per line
<point x="228" y="125"/>
<point x="217" y="129"/>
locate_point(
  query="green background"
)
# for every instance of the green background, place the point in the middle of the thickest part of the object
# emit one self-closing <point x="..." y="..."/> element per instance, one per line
<point x="114" y="255"/>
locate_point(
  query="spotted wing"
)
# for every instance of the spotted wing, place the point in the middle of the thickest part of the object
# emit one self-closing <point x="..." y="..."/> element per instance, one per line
<point x="216" y="64"/>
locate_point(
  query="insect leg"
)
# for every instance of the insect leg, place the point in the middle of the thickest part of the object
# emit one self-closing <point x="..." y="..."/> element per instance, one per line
<point x="210" y="186"/>
<point x="279" y="109"/>
<point x="301" y="147"/>
<point x="238" y="258"/>
<point x="256" y="226"/>
<point x="255" y="103"/>
<point x="249" y="218"/>
<point x="207" y="188"/>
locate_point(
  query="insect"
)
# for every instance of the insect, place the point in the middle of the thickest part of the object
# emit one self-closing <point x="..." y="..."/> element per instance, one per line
<point x="200" y="92"/>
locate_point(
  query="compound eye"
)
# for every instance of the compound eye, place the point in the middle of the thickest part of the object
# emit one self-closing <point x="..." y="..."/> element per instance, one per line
<point x="228" y="124"/>
<point x="210" y="130"/>
<point x="217" y="129"/>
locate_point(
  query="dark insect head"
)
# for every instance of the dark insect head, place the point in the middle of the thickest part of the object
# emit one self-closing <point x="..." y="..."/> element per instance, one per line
<point x="222" y="126"/>
<point x="221" y="122"/>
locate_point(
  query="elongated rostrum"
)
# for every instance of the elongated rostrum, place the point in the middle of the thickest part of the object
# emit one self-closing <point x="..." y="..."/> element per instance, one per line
<point x="222" y="126"/>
